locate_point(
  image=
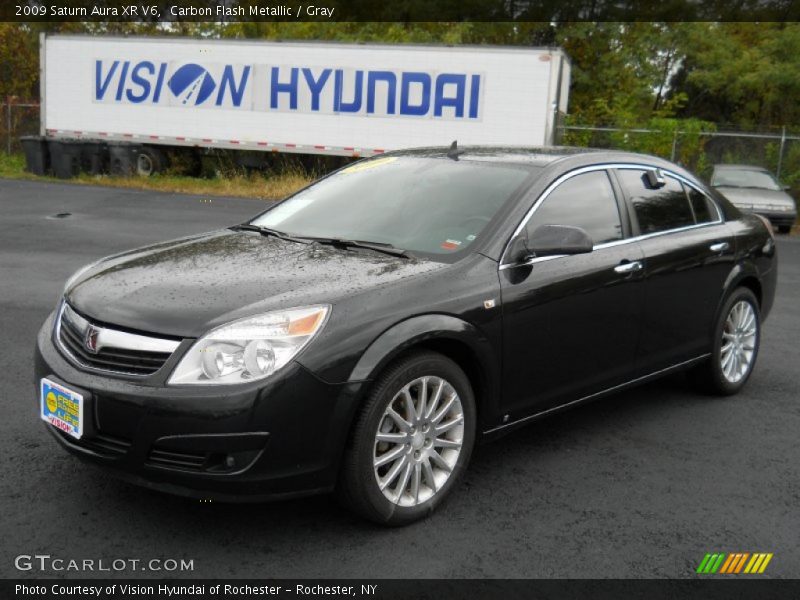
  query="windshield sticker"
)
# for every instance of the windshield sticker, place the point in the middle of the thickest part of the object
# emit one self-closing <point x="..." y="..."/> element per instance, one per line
<point x="370" y="164"/>
<point x="450" y="244"/>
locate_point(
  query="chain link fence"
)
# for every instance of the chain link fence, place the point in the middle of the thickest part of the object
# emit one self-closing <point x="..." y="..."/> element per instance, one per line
<point x="17" y="118"/>
<point x="777" y="150"/>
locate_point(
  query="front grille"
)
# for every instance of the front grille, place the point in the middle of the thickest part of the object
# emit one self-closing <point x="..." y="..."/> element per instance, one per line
<point x="177" y="460"/>
<point x="101" y="443"/>
<point x="126" y="361"/>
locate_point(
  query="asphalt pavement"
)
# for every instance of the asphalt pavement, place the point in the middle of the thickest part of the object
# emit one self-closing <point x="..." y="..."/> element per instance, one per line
<point x="642" y="484"/>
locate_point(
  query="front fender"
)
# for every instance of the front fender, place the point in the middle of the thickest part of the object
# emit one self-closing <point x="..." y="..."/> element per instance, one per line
<point x="416" y="330"/>
<point x="467" y="344"/>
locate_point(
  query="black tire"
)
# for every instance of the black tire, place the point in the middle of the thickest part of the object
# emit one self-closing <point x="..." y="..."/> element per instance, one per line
<point x="358" y="488"/>
<point x="784" y="228"/>
<point x="150" y="161"/>
<point x="708" y="376"/>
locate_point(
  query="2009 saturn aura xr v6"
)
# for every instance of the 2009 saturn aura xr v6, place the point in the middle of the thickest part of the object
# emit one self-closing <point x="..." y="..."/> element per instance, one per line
<point x="363" y="334"/>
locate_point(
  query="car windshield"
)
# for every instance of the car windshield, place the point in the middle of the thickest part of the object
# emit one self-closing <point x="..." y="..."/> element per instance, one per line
<point x="744" y="178"/>
<point x="435" y="206"/>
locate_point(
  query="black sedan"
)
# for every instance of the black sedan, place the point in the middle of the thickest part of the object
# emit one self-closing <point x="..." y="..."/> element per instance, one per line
<point x="363" y="334"/>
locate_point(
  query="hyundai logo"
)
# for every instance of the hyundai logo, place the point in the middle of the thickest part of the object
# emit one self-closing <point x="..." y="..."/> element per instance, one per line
<point x="191" y="84"/>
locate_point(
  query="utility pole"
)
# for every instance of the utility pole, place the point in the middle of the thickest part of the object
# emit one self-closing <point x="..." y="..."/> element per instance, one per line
<point x="780" y="152"/>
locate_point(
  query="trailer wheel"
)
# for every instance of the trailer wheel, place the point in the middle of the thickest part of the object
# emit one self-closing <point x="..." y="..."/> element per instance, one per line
<point x="150" y="161"/>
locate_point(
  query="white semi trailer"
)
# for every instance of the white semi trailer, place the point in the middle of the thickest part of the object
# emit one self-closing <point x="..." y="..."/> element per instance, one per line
<point x="300" y="97"/>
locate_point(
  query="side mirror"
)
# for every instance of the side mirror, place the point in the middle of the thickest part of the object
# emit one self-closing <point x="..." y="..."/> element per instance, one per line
<point x="786" y="188"/>
<point x="552" y="240"/>
<point x="518" y="249"/>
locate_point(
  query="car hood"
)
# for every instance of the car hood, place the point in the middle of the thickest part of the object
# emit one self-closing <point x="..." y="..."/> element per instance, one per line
<point x="756" y="198"/>
<point x="186" y="287"/>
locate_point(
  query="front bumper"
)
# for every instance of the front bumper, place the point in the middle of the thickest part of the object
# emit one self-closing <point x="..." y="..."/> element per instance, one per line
<point x="269" y="439"/>
<point x="778" y="219"/>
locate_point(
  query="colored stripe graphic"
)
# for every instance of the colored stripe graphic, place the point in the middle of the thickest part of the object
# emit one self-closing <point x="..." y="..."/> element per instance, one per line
<point x="704" y="563"/>
<point x="734" y="563"/>
<point x="741" y="562"/>
<point x="727" y="565"/>
<point x="764" y="564"/>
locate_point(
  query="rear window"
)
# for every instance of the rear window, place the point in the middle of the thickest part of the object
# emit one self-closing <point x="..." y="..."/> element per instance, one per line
<point x="704" y="210"/>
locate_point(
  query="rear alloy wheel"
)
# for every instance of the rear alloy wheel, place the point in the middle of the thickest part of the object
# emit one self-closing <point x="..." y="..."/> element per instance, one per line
<point x="737" y="337"/>
<point x="411" y="442"/>
<point x="739" y="334"/>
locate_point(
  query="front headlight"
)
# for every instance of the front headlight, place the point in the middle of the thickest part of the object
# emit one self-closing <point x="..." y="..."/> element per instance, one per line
<point x="250" y="349"/>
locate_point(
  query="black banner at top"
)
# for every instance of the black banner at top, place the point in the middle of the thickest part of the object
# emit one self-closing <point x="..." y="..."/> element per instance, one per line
<point x="403" y="11"/>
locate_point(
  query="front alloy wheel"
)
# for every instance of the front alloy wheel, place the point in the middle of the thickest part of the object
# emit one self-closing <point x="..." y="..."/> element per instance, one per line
<point x="418" y="441"/>
<point x="411" y="441"/>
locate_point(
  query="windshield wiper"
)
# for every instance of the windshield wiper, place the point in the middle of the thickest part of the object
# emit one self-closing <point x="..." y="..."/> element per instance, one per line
<point x="376" y="246"/>
<point x="266" y="231"/>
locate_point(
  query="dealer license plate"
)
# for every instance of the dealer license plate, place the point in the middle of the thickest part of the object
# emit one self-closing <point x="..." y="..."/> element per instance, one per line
<point x="62" y="407"/>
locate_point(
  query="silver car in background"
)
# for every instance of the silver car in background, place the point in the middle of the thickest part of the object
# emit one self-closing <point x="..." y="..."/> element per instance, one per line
<point x="754" y="189"/>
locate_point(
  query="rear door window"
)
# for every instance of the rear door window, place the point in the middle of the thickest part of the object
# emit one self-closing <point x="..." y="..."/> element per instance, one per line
<point x="659" y="209"/>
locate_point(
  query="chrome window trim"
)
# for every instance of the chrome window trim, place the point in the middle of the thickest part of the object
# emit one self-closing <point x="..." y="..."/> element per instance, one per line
<point x="110" y="338"/>
<point x="605" y="167"/>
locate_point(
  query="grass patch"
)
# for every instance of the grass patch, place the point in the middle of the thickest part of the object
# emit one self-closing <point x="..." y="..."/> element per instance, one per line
<point x="260" y="186"/>
<point x="12" y="166"/>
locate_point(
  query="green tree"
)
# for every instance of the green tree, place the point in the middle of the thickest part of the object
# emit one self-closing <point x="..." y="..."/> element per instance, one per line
<point x="741" y="74"/>
<point x="19" y="62"/>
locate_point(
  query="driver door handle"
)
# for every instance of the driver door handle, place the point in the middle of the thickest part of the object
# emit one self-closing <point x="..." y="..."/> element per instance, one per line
<point x="628" y="267"/>
<point x="719" y="247"/>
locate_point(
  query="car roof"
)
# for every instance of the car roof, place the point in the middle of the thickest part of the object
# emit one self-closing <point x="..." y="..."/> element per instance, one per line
<point x="538" y="156"/>
<point x="739" y="168"/>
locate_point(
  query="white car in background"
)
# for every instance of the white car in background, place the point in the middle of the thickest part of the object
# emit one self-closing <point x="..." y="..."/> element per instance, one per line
<point x="754" y="189"/>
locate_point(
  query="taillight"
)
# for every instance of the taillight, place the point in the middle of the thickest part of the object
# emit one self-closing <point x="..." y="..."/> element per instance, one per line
<point x="768" y="225"/>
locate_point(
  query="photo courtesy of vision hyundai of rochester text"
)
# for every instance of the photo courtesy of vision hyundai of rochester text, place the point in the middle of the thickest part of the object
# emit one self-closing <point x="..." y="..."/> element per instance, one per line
<point x="362" y="335"/>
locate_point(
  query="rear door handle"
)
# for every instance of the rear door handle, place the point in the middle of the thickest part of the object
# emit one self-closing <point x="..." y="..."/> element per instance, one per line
<point x="628" y="267"/>
<point x="719" y="247"/>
